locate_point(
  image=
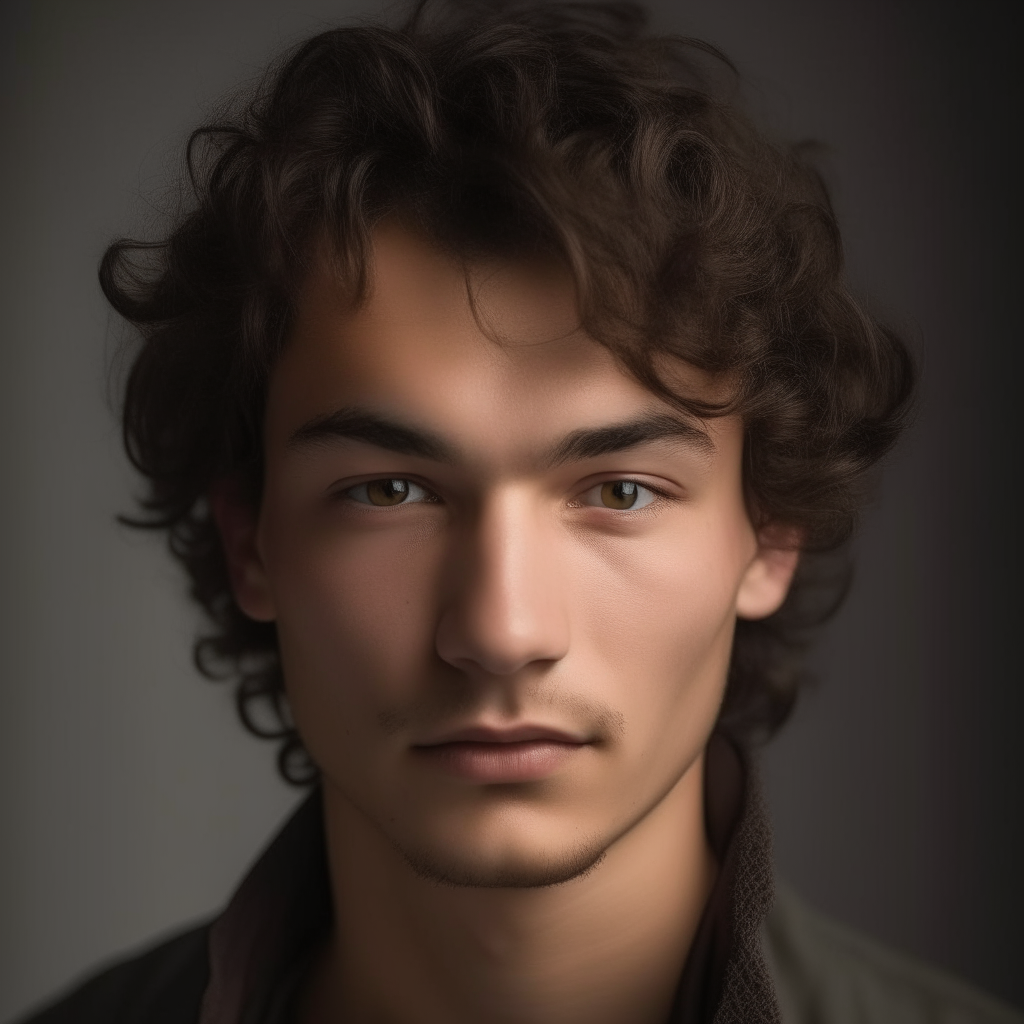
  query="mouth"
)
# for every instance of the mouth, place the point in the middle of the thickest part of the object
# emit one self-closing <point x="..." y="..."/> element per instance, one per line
<point x="525" y="753"/>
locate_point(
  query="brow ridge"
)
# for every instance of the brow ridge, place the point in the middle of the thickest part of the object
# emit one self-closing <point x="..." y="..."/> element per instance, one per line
<point x="590" y="443"/>
<point x="359" y="425"/>
<point x="353" y="424"/>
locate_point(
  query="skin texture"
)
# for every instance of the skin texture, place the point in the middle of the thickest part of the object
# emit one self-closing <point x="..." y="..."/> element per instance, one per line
<point x="558" y="878"/>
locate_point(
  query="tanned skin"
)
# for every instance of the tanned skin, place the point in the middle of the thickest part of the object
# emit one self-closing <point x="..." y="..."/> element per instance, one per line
<point x="505" y="579"/>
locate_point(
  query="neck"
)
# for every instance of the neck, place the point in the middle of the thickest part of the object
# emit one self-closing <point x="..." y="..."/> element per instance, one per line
<point x="606" y="948"/>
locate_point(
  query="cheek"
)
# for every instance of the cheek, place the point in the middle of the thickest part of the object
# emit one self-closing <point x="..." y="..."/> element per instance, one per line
<point x="659" y="611"/>
<point x="356" y="614"/>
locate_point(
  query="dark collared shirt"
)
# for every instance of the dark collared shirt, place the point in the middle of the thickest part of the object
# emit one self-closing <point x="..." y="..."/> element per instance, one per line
<point x="749" y="963"/>
<point x="262" y="944"/>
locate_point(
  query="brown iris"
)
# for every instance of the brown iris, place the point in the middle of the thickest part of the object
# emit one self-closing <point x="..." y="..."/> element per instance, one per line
<point x="387" y="492"/>
<point x="619" y="494"/>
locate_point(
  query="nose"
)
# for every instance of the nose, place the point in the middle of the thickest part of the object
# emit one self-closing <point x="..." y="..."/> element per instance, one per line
<point x="504" y="608"/>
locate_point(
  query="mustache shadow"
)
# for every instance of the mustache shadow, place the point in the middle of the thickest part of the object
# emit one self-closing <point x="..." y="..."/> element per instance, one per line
<point x="458" y="700"/>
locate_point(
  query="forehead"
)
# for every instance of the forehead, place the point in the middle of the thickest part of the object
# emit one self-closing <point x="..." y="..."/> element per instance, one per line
<point x="490" y="352"/>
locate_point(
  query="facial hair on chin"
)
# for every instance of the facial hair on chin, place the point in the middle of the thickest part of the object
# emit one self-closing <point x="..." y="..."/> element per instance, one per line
<point x="576" y="863"/>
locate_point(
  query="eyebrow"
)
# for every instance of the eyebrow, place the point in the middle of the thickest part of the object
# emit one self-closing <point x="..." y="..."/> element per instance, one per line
<point x="619" y="437"/>
<point x="588" y="443"/>
<point x="358" y="425"/>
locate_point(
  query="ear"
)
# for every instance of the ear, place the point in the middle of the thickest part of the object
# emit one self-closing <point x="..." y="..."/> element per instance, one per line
<point x="237" y="522"/>
<point x="766" y="582"/>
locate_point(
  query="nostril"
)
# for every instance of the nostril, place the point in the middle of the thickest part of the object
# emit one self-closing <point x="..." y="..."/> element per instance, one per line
<point x="492" y="644"/>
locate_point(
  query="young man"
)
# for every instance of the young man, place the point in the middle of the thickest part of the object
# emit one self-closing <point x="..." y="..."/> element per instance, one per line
<point x="492" y="389"/>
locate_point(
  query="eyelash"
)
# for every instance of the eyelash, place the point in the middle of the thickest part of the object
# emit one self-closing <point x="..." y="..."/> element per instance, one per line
<point x="655" y="495"/>
<point x="429" y="497"/>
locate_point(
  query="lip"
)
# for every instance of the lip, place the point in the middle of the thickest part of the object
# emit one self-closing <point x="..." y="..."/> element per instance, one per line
<point x="525" y="753"/>
<point x="495" y="734"/>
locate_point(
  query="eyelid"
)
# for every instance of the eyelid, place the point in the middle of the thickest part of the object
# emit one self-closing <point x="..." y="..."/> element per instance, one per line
<point x="344" y="491"/>
<point x="657" y="494"/>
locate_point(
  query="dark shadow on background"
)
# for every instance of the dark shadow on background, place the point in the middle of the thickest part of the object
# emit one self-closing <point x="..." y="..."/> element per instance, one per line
<point x="898" y="789"/>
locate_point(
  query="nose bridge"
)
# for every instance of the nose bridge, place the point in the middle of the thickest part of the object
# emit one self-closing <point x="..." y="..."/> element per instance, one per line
<point x="504" y="609"/>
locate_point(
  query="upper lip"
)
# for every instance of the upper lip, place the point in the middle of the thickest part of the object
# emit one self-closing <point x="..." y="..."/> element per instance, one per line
<point x="513" y="734"/>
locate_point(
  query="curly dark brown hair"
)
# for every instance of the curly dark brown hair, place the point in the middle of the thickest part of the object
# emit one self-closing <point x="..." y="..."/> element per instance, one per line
<point x="512" y="129"/>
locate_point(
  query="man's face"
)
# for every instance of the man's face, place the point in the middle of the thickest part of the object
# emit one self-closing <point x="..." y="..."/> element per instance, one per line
<point x="505" y="576"/>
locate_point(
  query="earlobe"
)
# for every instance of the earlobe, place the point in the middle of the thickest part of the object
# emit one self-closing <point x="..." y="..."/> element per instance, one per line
<point x="237" y="522"/>
<point x="766" y="582"/>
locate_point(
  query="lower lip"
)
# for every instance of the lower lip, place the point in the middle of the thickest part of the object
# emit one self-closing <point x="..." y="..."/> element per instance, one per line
<point x="524" y="761"/>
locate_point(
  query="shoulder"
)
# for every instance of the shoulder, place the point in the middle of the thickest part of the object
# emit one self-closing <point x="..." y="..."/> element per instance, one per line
<point x="826" y="973"/>
<point x="163" y="985"/>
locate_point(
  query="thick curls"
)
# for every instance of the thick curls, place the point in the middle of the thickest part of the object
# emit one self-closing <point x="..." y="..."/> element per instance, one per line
<point x="508" y="130"/>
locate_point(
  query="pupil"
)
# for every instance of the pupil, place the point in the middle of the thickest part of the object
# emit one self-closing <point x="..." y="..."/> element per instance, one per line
<point x="619" y="494"/>
<point x="388" y="492"/>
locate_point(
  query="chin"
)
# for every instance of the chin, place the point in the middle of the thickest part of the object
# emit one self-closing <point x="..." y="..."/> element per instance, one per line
<point x="511" y="870"/>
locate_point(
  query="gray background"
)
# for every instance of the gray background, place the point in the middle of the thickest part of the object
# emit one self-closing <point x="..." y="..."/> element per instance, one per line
<point x="131" y="801"/>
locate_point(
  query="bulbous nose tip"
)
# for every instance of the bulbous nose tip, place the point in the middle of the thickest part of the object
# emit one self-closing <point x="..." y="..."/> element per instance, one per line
<point x="492" y="645"/>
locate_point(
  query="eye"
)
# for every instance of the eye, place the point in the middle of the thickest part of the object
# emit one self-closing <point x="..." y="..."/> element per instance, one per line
<point x="622" y="495"/>
<point x="387" y="492"/>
